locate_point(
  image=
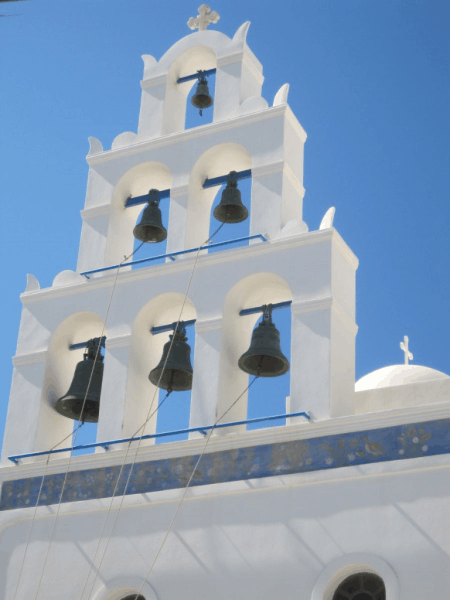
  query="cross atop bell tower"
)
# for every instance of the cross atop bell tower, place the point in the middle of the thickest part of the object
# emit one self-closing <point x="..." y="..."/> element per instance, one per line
<point x="205" y="17"/>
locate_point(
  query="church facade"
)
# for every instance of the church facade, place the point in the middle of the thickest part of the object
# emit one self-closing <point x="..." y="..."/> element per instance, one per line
<point x="349" y="500"/>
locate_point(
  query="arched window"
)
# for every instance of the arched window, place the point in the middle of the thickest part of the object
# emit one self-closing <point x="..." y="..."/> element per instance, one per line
<point x="361" y="586"/>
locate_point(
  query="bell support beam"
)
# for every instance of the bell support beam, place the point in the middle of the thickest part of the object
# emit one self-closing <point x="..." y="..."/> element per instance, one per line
<point x="83" y="345"/>
<point x="196" y="75"/>
<point x="258" y="309"/>
<point x="243" y="313"/>
<point x="143" y="199"/>
<point x="163" y="328"/>
<point x="238" y="175"/>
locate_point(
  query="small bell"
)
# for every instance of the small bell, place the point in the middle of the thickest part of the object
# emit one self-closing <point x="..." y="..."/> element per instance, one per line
<point x="264" y="357"/>
<point x="174" y="371"/>
<point x="85" y="387"/>
<point x="202" y="98"/>
<point x="231" y="209"/>
<point x="150" y="229"/>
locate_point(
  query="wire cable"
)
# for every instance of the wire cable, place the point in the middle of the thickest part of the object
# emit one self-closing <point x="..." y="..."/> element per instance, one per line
<point x="37" y="504"/>
<point x="180" y="502"/>
<point x="73" y="434"/>
<point x="142" y="427"/>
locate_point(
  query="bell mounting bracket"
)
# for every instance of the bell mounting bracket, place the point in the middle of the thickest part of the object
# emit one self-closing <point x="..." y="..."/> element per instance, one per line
<point x="197" y="75"/>
<point x="264" y="309"/>
<point x="246" y="311"/>
<point x="223" y="179"/>
<point x="181" y="327"/>
<point x="214" y="181"/>
<point x="144" y="199"/>
<point x="83" y="345"/>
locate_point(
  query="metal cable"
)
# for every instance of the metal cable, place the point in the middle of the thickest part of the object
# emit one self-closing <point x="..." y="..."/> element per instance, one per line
<point x="37" y="504"/>
<point x="188" y="484"/>
<point x="74" y="434"/>
<point x="142" y="427"/>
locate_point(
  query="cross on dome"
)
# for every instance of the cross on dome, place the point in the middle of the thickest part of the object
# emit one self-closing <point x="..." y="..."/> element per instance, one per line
<point x="205" y="17"/>
<point x="404" y="347"/>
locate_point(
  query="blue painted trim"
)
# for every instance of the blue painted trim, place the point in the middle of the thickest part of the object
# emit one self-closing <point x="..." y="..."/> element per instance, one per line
<point x="15" y="459"/>
<point x="258" y="309"/>
<point x="163" y="328"/>
<point x="81" y="345"/>
<point x="224" y="178"/>
<point x="170" y="255"/>
<point x="196" y="75"/>
<point x="294" y="457"/>
<point x="143" y="199"/>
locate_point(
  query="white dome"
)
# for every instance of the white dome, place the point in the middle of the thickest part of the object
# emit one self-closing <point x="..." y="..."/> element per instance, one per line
<point x="397" y="375"/>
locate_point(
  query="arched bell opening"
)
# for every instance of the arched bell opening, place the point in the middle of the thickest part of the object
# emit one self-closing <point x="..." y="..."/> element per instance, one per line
<point x="130" y="201"/>
<point x="179" y="113"/>
<point x="267" y="395"/>
<point x="72" y="383"/>
<point x="217" y="161"/>
<point x="146" y="353"/>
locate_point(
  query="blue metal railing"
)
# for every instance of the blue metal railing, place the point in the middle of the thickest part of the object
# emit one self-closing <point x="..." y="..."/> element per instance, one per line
<point x="203" y="430"/>
<point x="171" y="255"/>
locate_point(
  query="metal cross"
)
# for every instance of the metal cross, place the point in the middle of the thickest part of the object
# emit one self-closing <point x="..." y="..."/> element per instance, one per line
<point x="404" y="347"/>
<point x="205" y="17"/>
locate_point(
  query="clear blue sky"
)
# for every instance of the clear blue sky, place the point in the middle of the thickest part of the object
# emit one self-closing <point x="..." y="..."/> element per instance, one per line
<point x="369" y="83"/>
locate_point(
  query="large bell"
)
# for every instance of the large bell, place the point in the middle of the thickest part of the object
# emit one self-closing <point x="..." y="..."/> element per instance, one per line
<point x="175" y="374"/>
<point x="231" y="209"/>
<point x="85" y="387"/>
<point x="202" y="98"/>
<point x="150" y="229"/>
<point x="264" y="357"/>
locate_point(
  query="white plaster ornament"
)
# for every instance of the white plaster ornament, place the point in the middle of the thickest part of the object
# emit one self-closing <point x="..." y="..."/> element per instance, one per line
<point x="205" y="17"/>
<point x="404" y="347"/>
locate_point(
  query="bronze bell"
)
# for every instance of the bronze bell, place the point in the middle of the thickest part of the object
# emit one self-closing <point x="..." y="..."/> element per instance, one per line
<point x="264" y="357"/>
<point x="176" y="375"/>
<point x="231" y="209"/>
<point x="85" y="387"/>
<point x="202" y="98"/>
<point x="150" y="229"/>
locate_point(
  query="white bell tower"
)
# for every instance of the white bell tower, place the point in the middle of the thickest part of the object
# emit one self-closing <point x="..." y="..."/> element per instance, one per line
<point x="314" y="270"/>
<point x="283" y="262"/>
